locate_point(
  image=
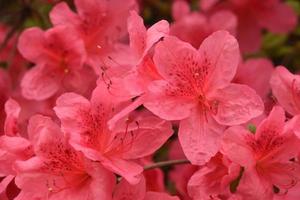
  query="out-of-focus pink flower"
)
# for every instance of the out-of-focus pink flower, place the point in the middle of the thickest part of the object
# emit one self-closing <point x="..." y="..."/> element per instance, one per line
<point x="58" y="171"/>
<point x="86" y="123"/>
<point x="196" y="89"/>
<point x="255" y="15"/>
<point x="286" y="89"/>
<point x="194" y="27"/>
<point x="12" y="149"/>
<point x="101" y="24"/>
<point x="59" y="59"/>
<point x="213" y="180"/>
<point x="264" y="155"/>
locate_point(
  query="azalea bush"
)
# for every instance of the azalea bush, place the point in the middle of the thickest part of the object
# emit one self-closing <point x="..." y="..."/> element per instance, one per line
<point x="149" y="100"/>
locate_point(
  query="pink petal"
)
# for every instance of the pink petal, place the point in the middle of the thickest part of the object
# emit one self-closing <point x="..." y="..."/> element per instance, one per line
<point x="30" y="44"/>
<point x="167" y="107"/>
<point x="280" y="18"/>
<point x="213" y="179"/>
<point x="28" y="166"/>
<point x="12" y="110"/>
<point x="192" y="28"/>
<point x="235" y="147"/>
<point x="155" y="33"/>
<point x="284" y="175"/>
<point x="13" y="149"/>
<point x="124" y="112"/>
<point x="249" y="35"/>
<point x="224" y="20"/>
<point x="251" y="187"/>
<point x="237" y="104"/>
<point x="102" y="183"/>
<point x="273" y="124"/>
<point x="61" y="14"/>
<point x="200" y="137"/>
<point x="80" y="81"/>
<point x="93" y="7"/>
<point x="207" y="4"/>
<point x="137" y="33"/>
<point x="38" y="84"/>
<point x="171" y="55"/>
<point x="42" y="130"/>
<point x="127" y="169"/>
<point x="247" y="74"/>
<point x="285" y="88"/>
<point x="69" y="107"/>
<point x="180" y="9"/>
<point x="34" y="186"/>
<point x="219" y="54"/>
<point x="151" y="130"/>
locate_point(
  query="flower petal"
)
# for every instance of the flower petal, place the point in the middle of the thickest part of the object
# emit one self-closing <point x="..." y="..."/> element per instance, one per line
<point x="39" y="84"/>
<point x="237" y="104"/>
<point x="220" y="55"/>
<point x="200" y="138"/>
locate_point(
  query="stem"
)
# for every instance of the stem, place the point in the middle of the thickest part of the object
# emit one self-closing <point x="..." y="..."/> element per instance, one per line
<point x="166" y="163"/>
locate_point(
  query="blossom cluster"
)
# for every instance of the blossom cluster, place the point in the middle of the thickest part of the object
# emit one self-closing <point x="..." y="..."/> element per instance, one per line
<point x="86" y="104"/>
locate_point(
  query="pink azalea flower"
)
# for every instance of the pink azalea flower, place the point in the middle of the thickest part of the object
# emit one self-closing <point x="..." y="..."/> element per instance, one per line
<point x="58" y="171"/>
<point x="18" y="114"/>
<point x="266" y="155"/>
<point x="135" y="82"/>
<point x="207" y="4"/>
<point x="213" y="179"/>
<point x="255" y="15"/>
<point x="194" y="27"/>
<point x="59" y="59"/>
<point x="101" y="24"/>
<point x="196" y="89"/>
<point x="142" y="41"/>
<point x="126" y="191"/>
<point x="86" y="122"/>
<point x="12" y="149"/>
<point x="286" y="89"/>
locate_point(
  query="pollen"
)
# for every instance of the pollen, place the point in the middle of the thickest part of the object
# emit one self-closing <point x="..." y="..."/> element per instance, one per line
<point x="66" y="71"/>
<point x="99" y="46"/>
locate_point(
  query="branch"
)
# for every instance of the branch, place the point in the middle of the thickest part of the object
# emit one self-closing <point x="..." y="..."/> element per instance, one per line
<point x="166" y="163"/>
